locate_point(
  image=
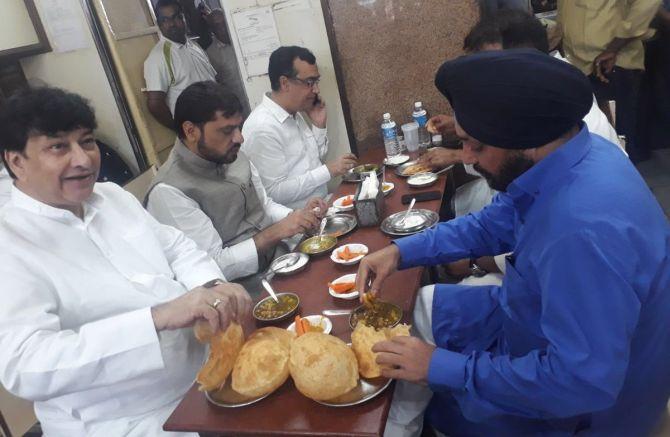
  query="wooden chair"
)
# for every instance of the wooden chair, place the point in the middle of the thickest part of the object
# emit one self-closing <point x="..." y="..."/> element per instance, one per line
<point x="4" y="428"/>
<point x="139" y="186"/>
<point x="16" y="415"/>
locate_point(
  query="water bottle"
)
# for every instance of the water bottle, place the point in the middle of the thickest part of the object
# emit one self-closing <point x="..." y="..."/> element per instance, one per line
<point x="421" y="118"/>
<point x="390" y="136"/>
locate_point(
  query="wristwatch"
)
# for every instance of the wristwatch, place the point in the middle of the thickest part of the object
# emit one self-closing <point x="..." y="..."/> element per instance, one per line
<point x="476" y="270"/>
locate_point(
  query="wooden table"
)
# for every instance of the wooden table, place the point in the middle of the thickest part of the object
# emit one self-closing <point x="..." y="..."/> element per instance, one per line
<point x="286" y="411"/>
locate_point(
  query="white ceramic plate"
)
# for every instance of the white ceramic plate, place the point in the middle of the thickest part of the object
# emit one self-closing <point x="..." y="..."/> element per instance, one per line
<point x="421" y="180"/>
<point x="345" y="278"/>
<point x="388" y="187"/>
<point x="324" y="321"/>
<point x="353" y="247"/>
<point x="338" y="203"/>
<point x="396" y="160"/>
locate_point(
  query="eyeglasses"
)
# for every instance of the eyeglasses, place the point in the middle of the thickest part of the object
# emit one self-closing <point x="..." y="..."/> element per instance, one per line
<point x="310" y="82"/>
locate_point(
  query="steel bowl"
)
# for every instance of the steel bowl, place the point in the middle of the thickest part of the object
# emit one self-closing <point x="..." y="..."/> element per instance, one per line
<point x="285" y="315"/>
<point x="365" y="168"/>
<point x="289" y="264"/>
<point x="385" y="306"/>
<point x="339" y="224"/>
<point x="357" y="173"/>
<point x="317" y="245"/>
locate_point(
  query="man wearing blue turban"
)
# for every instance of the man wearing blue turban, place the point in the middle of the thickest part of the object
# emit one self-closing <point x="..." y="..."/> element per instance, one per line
<point x="577" y="337"/>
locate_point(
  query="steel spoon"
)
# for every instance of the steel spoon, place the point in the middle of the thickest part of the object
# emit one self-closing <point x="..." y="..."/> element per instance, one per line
<point x="269" y="289"/>
<point x="336" y="312"/>
<point x="322" y="227"/>
<point x="411" y="205"/>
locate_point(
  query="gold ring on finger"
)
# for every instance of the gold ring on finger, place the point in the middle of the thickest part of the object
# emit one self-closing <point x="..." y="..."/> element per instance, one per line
<point x="216" y="303"/>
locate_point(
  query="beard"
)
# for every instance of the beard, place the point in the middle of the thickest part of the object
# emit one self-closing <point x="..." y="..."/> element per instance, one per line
<point x="514" y="166"/>
<point x="227" y="158"/>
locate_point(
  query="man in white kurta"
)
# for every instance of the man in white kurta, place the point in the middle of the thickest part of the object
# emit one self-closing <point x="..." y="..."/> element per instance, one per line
<point x="285" y="149"/>
<point x="95" y="293"/>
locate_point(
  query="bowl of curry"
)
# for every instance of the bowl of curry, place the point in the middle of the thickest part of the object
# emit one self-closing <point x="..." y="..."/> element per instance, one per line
<point x="267" y="310"/>
<point x="378" y="315"/>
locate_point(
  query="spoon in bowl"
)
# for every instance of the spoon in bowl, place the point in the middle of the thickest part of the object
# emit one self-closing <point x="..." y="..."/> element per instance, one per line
<point x="269" y="289"/>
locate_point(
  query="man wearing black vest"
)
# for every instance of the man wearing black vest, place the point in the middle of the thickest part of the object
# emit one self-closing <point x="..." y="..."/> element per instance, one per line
<point x="212" y="192"/>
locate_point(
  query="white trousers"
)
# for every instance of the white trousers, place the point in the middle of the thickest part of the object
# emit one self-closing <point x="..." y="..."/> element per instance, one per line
<point x="411" y="400"/>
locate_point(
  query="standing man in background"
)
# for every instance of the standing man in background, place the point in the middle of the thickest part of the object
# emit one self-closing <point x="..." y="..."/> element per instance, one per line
<point x="604" y="40"/>
<point x="285" y="149"/>
<point x="173" y="64"/>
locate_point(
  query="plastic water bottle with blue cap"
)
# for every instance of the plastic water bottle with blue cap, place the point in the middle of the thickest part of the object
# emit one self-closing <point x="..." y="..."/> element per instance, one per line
<point x="421" y="118"/>
<point x="390" y="135"/>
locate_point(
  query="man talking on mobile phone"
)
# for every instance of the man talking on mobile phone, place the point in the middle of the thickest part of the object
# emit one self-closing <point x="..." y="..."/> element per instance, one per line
<point x="285" y="149"/>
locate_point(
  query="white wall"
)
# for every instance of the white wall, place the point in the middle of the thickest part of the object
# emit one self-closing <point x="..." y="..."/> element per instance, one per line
<point x="16" y="29"/>
<point x="80" y="71"/>
<point x="299" y="22"/>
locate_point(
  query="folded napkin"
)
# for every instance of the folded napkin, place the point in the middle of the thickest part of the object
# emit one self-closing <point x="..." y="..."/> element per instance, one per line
<point x="370" y="187"/>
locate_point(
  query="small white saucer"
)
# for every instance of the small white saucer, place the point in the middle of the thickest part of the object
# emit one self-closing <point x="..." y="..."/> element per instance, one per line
<point x="354" y="247"/>
<point x="324" y="321"/>
<point x="347" y="296"/>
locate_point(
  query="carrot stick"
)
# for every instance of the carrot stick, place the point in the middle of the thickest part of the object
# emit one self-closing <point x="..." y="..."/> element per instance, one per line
<point x="342" y="287"/>
<point x="305" y="325"/>
<point x="299" y="330"/>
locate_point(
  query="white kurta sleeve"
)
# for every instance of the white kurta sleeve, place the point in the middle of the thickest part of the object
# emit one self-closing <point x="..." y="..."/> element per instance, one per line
<point x="267" y="153"/>
<point x="321" y="137"/>
<point x="274" y="210"/>
<point x="156" y="74"/>
<point x="41" y="360"/>
<point x="172" y="207"/>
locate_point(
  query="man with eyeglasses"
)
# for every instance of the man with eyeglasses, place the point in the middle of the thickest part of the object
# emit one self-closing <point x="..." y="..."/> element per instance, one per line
<point x="281" y="144"/>
<point x="173" y="64"/>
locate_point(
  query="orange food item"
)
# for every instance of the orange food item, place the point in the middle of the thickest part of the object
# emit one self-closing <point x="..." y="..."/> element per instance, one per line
<point x="346" y="255"/>
<point x="342" y="287"/>
<point x="299" y="328"/>
<point x="348" y="201"/>
<point x="306" y="326"/>
<point x="303" y="326"/>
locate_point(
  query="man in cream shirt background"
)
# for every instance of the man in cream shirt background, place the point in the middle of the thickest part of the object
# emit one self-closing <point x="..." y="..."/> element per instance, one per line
<point x="287" y="152"/>
<point x="95" y="293"/>
<point x="174" y="63"/>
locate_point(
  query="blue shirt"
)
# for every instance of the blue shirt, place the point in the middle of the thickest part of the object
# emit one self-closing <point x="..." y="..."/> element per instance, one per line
<point x="578" y="335"/>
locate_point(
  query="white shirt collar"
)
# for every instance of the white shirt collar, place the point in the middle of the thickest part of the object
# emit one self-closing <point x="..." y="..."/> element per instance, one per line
<point x="21" y="200"/>
<point x="280" y="113"/>
<point x="175" y="43"/>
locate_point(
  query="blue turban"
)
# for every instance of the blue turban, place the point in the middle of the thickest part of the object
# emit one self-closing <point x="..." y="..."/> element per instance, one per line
<point x="515" y="99"/>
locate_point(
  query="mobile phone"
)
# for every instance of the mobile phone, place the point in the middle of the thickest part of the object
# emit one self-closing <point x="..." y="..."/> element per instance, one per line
<point x="421" y="197"/>
<point x="317" y="100"/>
